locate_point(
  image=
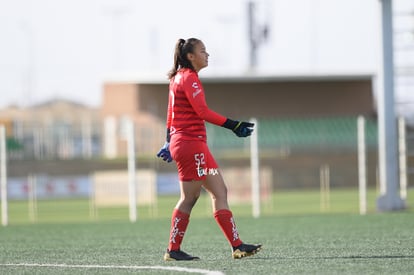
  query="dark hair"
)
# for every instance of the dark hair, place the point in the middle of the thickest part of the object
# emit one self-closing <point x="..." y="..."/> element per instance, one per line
<point x="182" y="48"/>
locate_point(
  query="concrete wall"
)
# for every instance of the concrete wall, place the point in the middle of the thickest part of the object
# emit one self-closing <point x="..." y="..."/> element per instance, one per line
<point x="147" y="103"/>
<point x="273" y="99"/>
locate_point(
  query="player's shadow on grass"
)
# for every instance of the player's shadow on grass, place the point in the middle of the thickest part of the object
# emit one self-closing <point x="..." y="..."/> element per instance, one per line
<point x="372" y="257"/>
<point x="346" y="257"/>
<point x="331" y="257"/>
<point x="264" y="257"/>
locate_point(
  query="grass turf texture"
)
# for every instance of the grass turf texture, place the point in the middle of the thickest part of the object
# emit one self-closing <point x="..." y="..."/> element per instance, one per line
<point x="313" y="244"/>
<point x="297" y="238"/>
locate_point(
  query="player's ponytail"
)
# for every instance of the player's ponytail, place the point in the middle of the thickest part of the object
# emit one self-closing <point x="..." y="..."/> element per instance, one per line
<point x="182" y="48"/>
<point x="177" y="57"/>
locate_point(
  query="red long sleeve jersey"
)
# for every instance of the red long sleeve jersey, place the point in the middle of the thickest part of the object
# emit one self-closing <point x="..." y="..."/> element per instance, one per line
<point x="187" y="107"/>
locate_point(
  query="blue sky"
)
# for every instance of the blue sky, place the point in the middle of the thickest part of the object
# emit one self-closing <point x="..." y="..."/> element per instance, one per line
<point x="68" y="48"/>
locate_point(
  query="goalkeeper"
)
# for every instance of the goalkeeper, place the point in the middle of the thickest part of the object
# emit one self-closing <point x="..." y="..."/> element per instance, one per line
<point x="186" y="144"/>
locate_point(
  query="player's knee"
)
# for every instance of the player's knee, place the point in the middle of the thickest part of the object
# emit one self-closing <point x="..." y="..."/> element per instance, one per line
<point x="219" y="196"/>
<point x="190" y="201"/>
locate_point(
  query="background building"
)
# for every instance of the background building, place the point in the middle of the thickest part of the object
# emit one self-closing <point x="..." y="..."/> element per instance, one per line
<point x="272" y="97"/>
<point x="57" y="129"/>
<point x="303" y="122"/>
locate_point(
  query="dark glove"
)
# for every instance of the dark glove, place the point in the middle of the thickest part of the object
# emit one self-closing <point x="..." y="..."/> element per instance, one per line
<point x="240" y="128"/>
<point x="164" y="152"/>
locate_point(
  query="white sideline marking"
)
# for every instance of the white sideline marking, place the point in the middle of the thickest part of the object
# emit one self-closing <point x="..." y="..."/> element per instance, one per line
<point x="134" y="267"/>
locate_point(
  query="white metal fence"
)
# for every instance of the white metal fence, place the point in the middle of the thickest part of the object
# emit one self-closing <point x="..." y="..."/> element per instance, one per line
<point x="300" y="154"/>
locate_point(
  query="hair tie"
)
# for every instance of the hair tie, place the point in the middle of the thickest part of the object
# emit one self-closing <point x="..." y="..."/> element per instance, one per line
<point x="181" y="43"/>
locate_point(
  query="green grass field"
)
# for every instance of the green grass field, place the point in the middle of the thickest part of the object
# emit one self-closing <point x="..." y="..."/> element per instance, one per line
<point x="297" y="237"/>
<point x="282" y="203"/>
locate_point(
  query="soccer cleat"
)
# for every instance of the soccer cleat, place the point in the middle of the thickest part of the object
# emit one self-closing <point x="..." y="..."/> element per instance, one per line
<point x="245" y="250"/>
<point x="178" y="255"/>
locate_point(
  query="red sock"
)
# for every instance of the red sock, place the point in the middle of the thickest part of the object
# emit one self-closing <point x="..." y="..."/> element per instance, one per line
<point x="179" y="222"/>
<point x="225" y="220"/>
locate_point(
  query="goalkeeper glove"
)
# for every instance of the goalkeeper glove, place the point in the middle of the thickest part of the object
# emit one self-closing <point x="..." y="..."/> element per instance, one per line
<point x="164" y="152"/>
<point x="240" y="128"/>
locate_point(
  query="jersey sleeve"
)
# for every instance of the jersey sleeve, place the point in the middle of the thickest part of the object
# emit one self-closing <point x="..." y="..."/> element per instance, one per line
<point x="169" y="109"/>
<point x="195" y="95"/>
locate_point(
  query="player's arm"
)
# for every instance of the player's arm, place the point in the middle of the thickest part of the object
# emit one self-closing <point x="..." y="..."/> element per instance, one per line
<point x="164" y="152"/>
<point x="195" y="94"/>
<point x="169" y="114"/>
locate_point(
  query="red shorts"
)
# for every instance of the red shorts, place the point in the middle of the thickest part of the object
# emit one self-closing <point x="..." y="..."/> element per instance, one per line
<point x="193" y="159"/>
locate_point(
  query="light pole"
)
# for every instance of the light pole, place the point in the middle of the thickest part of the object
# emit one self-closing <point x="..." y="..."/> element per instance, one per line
<point x="389" y="198"/>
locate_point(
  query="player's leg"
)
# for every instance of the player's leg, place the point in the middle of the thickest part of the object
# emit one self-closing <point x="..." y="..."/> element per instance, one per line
<point x="190" y="192"/>
<point x="215" y="186"/>
<point x="183" y="154"/>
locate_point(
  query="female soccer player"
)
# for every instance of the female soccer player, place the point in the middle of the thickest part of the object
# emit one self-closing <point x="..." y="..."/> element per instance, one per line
<point x="187" y="144"/>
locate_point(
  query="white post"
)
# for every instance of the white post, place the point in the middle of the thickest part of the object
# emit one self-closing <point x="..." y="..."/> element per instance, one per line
<point x="93" y="212"/>
<point x="132" y="188"/>
<point x="324" y="175"/>
<point x="402" y="157"/>
<point x="389" y="199"/>
<point x="32" y="182"/>
<point x="254" y="166"/>
<point x="3" y="177"/>
<point x="362" y="166"/>
<point x="86" y="138"/>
